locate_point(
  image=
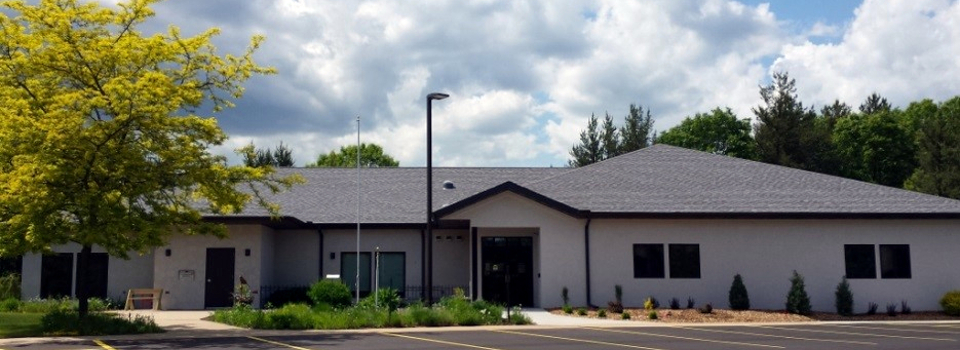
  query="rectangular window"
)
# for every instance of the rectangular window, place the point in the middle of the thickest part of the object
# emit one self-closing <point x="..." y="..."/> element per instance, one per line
<point x="861" y="261"/>
<point x="895" y="261"/>
<point x="56" y="275"/>
<point x="648" y="261"/>
<point x="11" y="265"/>
<point x="348" y="271"/>
<point x="684" y="261"/>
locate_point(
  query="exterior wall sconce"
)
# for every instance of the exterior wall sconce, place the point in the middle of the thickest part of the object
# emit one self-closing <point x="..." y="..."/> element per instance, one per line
<point x="167" y="252"/>
<point x="246" y="252"/>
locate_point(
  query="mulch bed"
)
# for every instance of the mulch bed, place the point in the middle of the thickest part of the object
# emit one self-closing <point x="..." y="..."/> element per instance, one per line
<point x="755" y="316"/>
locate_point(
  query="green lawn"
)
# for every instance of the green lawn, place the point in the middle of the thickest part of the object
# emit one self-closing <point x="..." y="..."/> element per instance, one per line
<point x="14" y="324"/>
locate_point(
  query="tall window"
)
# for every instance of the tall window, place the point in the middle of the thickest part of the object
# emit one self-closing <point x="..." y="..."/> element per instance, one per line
<point x="684" y="261"/>
<point x="895" y="261"/>
<point x="648" y="261"/>
<point x="861" y="261"/>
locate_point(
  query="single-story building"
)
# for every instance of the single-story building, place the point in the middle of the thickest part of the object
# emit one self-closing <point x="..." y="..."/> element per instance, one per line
<point x="663" y="221"/>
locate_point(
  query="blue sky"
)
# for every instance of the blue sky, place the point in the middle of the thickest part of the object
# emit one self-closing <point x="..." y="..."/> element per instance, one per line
<point x="525" y="76"/>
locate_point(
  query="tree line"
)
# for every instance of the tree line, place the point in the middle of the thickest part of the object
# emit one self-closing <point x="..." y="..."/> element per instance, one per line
<point x="916" y="148"/>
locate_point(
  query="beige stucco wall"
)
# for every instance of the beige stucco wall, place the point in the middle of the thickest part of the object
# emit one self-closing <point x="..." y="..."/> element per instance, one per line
<point x="122" y="274"/>
<point x="295" y="260"/>
<point x="558" y="248"/>
<point x="339" y="241"/>
<point x="451" y="254"/>
<point x="189" y="253"/>
<point x="765" y="252"/>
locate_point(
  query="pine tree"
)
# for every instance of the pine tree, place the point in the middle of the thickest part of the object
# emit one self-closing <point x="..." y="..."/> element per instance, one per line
<point x="635" y="133"/>
<point x="786" y="132"/>
<point x="739" y="299"/>
<point x="610" y="138"/>
<point x="282" y="156"/>
<point x="844" y="300"/>
<point x="938" y="152"/>
<point x="798" y="302"/>
<point x="589" y="150"/>
<point x="874" y="104"/>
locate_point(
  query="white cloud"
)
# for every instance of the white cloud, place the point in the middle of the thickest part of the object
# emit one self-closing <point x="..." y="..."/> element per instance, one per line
<point x="904" y="50"/>
<point x="524" y="76"/>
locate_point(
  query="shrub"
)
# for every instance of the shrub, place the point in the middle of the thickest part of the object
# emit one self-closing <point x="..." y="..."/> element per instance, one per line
<point x="872" y="308"/>
<point x="691" y="302"/>
<point x="652" y="315"/>
<point x="10" y="305"/>
<point x="892" y="309"/>
<point x="674" y="304"/>
<point x="242" y="295"/>
<point x="739" y="299"/>
<point x="10" y="286"/>
<point x="797" y="300"/>
<point x="289" y="296"/>
<point x="653" y="302"/>
<point x="602" y="313"/>
<point x="565" y="295"/>
<point x="567" y="309"/>
<point x="650" y="304"/>
<point x="625" y="315"/>
<point x="951" y="303"/>
<point x="385" y="298"/>
<point x="581" y="312"/>
<point x="69" y="323"/>
<point x="330" y="292"/>
<point x="617" y="305"/>
<point x="706" y="309"/>
<point x="518" y="318"/>
<point x="44" y="306"/>
<point x="844" y="298"/>
<point x="904" y="308"/>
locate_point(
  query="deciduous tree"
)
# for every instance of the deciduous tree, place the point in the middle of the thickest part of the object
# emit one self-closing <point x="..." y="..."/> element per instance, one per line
<point x="875" y="148"/>
<point x="100" y="143"/>
<point x="938" y="152"/>
<point x="371" y="156"/>
<point x="718" y="132"/>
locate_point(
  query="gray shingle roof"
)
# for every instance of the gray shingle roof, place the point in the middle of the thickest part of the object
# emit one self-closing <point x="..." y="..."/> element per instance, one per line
<point x="658" y="180"/>
<point x="667" y="179"/>
<point x="388" y="195"/>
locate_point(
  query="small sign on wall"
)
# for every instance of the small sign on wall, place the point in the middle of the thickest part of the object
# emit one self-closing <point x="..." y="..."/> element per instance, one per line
<point x="187" y="275"/>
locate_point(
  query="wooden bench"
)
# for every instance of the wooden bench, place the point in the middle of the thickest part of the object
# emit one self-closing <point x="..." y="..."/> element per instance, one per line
<point x="143" y="294"/>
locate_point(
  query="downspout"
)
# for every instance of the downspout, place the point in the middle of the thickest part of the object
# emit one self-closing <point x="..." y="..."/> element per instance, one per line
<point x="423" y="264"/>
<point x="320" y="255"/>
<point x="586" y="249"/>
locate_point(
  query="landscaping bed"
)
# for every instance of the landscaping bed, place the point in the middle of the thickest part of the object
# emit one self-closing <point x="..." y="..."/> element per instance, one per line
<point x="753" y="316"/>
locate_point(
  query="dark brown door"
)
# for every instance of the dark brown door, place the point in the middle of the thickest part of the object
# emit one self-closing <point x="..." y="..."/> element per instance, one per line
<point x="56" y="275"/>
<point x="508" y="270"/>
<point x="96" y="274"/>
<point x="220" y="264"/>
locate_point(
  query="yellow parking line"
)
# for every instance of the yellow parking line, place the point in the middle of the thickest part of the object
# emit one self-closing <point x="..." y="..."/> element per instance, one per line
<point x="580" y="340"/>
<point x="103" y="345"/>
<point x="439" y="341"/>
<point x="685" y="338"/>
<point x="277" y="343"/>
<point x="778" y="336"/>
<point x="851" y="333"/>
<point x="897" y="329"/>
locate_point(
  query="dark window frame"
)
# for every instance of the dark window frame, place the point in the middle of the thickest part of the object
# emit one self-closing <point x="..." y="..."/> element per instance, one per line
<point x="684" y="261"/>
<point x="895" y="261"/>
<point x="648" y="260"/>
<point x="858" y="264"/>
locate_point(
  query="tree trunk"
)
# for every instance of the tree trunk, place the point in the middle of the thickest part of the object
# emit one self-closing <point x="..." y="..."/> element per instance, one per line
<point x="82" y="279"/>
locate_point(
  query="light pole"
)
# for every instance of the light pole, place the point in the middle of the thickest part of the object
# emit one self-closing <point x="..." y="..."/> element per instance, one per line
<point x="430" y="97"/>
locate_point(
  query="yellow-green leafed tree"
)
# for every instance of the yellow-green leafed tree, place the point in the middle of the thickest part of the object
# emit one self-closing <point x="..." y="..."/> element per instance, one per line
<point x="99" y="140"/>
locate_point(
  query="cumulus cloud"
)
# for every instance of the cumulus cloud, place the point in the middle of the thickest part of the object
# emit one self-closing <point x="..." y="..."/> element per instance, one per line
<point x="904" y="50"/>
<point x="524" y="76"/>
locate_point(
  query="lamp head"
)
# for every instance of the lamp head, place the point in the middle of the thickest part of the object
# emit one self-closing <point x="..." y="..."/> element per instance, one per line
<point x="437" y="96"/>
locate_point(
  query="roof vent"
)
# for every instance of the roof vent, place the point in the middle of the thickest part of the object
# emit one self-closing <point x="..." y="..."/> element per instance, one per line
<point x="448" y="185"/>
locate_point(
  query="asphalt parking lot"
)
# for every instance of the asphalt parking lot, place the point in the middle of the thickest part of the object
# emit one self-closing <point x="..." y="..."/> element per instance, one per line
<point x="819" y="336"/>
